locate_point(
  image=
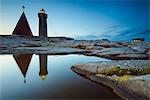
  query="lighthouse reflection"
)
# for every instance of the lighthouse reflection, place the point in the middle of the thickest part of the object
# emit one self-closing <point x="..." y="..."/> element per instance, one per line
<point x="23" y="62"/>
<point x="43" y="66"/>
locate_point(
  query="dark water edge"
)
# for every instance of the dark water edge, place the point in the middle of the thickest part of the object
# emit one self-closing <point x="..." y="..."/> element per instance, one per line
<point x="61" y="82"/>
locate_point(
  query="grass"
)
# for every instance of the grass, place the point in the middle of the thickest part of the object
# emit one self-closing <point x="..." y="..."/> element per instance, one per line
<point x="125" y="71"/>
<point x="123" y="78"/>
<point x="124" y="74"/>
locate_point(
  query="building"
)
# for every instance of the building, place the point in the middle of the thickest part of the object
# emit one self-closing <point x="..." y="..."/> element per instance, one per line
<point x="105" y="40"/>
<point x="22" y="27"/>
<point x="138" y="40"/>
<point x="42" y="23"/>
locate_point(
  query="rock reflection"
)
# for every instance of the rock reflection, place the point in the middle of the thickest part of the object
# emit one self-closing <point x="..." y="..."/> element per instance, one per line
<point x="23" y="62"/>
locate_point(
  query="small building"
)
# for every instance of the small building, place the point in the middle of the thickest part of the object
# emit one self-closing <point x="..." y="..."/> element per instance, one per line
<point x="138" y="40"/>
<point x="105" y="40"/>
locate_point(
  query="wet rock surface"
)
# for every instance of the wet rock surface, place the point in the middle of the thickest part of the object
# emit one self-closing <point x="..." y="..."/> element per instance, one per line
<point x="36" y="45"/>
<point x="63" y="45"/>
<point x="128" y="86"/>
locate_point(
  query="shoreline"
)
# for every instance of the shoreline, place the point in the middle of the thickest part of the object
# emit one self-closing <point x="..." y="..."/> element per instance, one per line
<point x="126" y="54"/>
<point x="13" y="44"/>
<point x="127" y="88"/>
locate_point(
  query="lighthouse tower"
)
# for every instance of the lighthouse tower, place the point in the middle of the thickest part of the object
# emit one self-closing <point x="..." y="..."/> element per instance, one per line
<point x="42" y="23"/>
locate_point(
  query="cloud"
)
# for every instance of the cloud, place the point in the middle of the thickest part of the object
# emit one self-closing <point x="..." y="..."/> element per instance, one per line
<point x="126" y="32"/>
<point x="114" y="27"/>
<point x="145" y="32"/>
<point x="109" y="33"/>
<point x="117" y="33"/>
<point x="133" y="33"/>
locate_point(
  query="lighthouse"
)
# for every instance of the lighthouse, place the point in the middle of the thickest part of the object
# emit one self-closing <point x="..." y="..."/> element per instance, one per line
<point x="42" y="23"/>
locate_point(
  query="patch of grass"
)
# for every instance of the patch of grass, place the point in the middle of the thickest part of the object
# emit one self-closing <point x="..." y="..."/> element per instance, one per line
<point x="146" y="70"/>
<point x="125" y="71"/>
<point x="110" y="71"/>
<point x="123" y="78"/>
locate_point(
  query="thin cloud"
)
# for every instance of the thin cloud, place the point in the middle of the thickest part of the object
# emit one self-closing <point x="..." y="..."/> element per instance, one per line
<point x="114" y="27"/>
<point x="118" y="34"/>
<point x="145" y="32"/>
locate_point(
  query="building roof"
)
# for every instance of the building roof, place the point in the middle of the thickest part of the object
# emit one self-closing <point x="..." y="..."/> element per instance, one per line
<point x="22" y="27"/>
<point x="42" y="11"/>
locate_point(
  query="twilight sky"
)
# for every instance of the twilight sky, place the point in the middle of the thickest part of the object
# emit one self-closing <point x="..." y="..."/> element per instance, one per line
<point x="81" y="19"/>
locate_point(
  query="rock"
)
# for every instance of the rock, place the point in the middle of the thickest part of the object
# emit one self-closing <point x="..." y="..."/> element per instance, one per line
<point x="142" y="49"/>
<point x="2" y="47"/>
<point x="148" y="53"/>
<point x="126" y="86"/>
<point x="99" y="48"/>
<point x="121" y="53"/>
<point x="122" y="50"/>
<point x="133" y="56"/>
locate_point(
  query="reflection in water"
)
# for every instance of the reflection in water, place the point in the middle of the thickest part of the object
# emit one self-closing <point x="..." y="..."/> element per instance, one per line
<point x="60" y="78"/>
<point x="43" y="66"/>
<point x="23" y="61"/>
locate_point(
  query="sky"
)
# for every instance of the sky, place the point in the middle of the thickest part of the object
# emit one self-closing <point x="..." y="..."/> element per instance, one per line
<point x="117" y="20"/>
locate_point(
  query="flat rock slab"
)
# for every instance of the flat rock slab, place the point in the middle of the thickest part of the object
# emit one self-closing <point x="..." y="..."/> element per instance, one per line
<point x="128" y="87"/>
<point x="63" y="45"/>
<point x="43" y="50"/>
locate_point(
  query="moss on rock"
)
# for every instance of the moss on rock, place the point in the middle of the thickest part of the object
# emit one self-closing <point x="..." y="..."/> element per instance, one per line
<point x="125" y="71"/>
<point x="123" y="78"/>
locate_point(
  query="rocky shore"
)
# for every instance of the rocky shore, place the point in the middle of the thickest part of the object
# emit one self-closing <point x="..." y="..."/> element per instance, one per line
<point x="128" y="75"/>
<point x="130" y="79"/>
<point x="35" y="45"/>
<point x="61" y="45"/>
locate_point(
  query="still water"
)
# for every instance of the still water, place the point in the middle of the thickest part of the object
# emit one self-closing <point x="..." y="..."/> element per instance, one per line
<point x="29" y="76"/>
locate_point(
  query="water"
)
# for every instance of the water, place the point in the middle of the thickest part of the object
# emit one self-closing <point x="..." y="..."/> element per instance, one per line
<point x="42" y="76"/>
